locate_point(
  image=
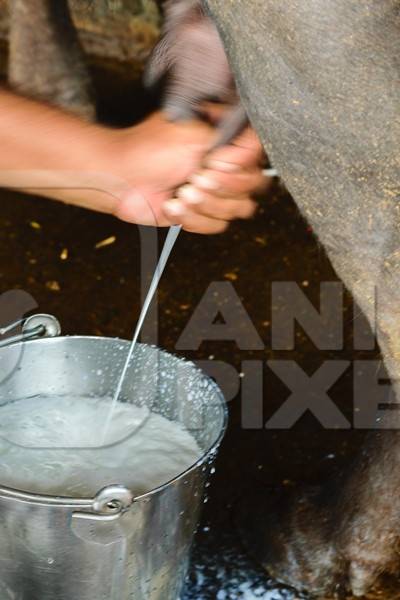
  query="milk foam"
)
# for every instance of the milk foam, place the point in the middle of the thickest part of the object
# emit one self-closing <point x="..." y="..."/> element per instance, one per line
<point x="55" y="446"/>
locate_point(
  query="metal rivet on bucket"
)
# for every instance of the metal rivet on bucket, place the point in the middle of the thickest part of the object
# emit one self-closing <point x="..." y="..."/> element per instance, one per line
<point x="113" y="499"/>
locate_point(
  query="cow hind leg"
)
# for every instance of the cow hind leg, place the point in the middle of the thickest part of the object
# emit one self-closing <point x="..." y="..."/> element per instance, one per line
<point x="46" y="60"/>
<point x="290" y="533"/>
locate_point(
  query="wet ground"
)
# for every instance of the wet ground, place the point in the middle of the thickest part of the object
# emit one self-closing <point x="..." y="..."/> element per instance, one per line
<point x="50" y="251"/>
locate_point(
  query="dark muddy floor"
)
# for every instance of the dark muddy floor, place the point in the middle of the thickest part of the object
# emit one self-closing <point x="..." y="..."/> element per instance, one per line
<point x="50" y="251"/>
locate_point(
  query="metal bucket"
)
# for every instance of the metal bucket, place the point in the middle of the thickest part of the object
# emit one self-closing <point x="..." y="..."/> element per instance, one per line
<point x="113" y="546"/>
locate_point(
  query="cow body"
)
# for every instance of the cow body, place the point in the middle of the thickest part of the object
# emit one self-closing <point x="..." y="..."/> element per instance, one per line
<point x="320" y="83"/>
<point x="46" y="60"/>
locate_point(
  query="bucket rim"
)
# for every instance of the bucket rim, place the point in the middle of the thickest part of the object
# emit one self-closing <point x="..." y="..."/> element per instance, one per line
<point x="87" y="503"/>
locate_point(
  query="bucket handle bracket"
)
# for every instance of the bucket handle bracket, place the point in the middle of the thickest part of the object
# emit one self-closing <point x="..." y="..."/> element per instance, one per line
<point x="109" y="504"/>
<point x="33" y="327"/>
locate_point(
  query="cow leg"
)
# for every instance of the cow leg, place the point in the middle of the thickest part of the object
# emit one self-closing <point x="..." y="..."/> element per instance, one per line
<point x="319" y="81"/>
<point x="46" y="59"/>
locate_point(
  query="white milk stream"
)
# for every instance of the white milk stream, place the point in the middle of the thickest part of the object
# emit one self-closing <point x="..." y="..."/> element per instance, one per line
<point x="54" y="446"/>
<point x="169" y="244"/>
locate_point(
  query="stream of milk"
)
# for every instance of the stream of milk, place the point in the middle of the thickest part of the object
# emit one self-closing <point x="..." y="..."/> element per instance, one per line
<point x="169" y="244"/>
<point x="55" y="446"/>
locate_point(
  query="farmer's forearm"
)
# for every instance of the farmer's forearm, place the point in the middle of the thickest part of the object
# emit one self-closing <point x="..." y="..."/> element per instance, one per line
<point x="51" y="152"/>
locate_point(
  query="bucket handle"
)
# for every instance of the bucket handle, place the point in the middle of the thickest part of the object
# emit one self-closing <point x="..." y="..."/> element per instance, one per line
<point x="33" y="327"/>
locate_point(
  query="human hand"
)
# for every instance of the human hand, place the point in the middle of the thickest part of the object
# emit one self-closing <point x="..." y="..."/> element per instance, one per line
<point x="217" y="192"/>
<point x="152" y="160"/>
<point x="222" y="189"/>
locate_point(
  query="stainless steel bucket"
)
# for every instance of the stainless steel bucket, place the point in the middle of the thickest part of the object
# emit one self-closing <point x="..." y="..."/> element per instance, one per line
<point x="113" y="546"/>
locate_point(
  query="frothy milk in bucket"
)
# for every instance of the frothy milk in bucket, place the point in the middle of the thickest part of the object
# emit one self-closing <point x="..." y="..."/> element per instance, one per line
<point x="54" y="446"/>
